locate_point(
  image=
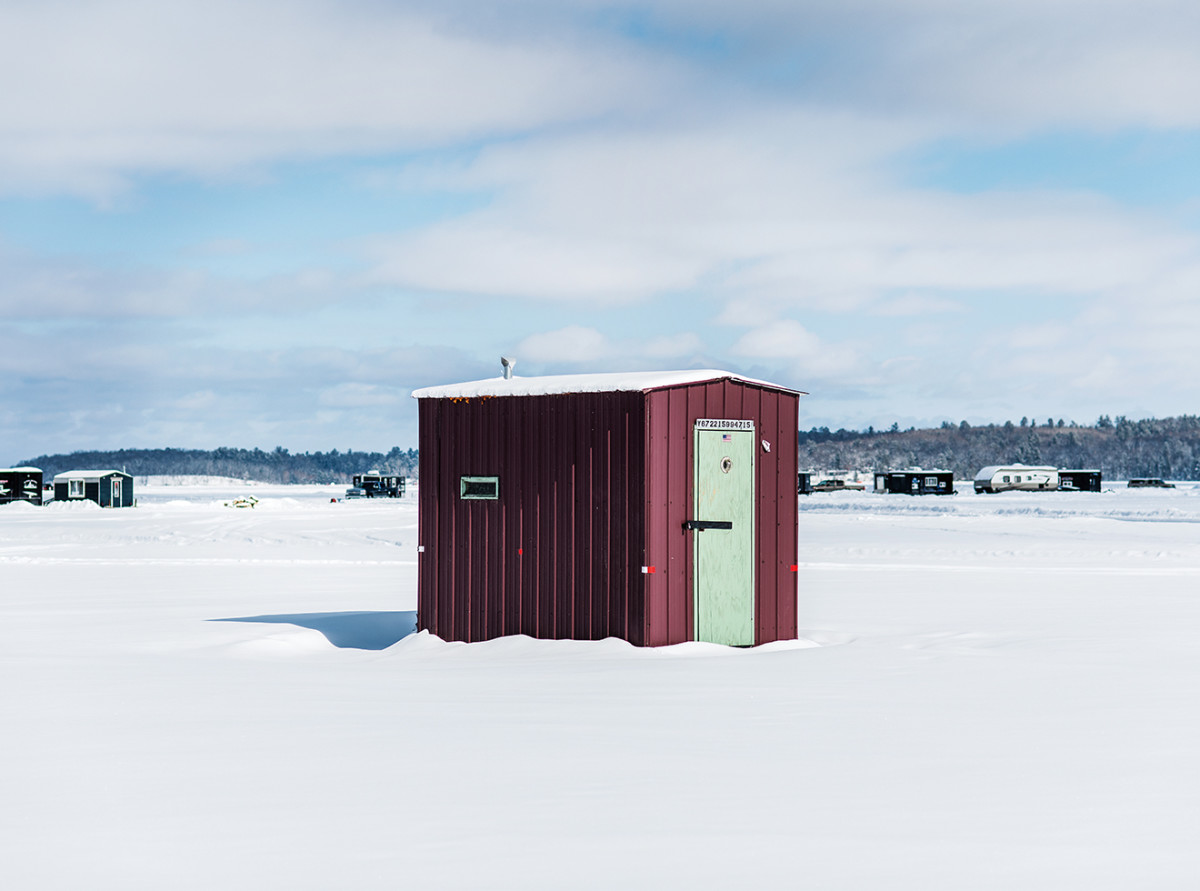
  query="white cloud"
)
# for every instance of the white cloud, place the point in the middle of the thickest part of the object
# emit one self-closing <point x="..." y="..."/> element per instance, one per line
<point x="98" y="91"/>
<point x="580" y="348"/>
<point x="803" y="352"/>
<point x="90" y="387"/>
<point x="95" y="91"/>
<point x="199" y="401"/>
<point x="774" y="210"/>
<point x="915" y="304"/>
<point x="1067" y="63"/>
<point x="674" y="346"/>
<point x="221" y="247"/>
<point x="743" y="187"/>
<point x="62" y="287"/>
<point x="573" y="344"/>
<point x="486" y="256"/>
<point x="968" y="67"/>
<point x="356" y="394"/>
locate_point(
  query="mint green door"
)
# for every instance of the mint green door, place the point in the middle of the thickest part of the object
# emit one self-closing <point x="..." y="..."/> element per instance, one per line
<point x="723" y="558"/>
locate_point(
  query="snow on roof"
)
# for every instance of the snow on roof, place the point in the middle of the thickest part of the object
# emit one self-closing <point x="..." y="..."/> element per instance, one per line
<point x="21" y="470"/>
<point x="636" y="381"/>
<point x="86" y="474"/>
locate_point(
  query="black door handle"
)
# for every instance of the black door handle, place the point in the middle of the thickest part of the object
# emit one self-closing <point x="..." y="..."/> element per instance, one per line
<point x="701" y="525"/>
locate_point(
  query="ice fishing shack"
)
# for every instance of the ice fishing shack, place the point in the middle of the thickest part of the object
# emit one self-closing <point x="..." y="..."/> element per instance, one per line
<point x="915" y="482"/>
<point x="21" y="484"/>
<point x="108" y="488"/>
<point x="656" y="507"/>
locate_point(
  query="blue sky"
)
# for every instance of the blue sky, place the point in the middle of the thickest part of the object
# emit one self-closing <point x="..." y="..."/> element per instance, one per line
<point x="265" y="223"/>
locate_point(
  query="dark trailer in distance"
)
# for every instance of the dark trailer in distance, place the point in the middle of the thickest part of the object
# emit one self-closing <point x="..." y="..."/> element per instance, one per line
<point x="1079" y="480"/>
<point x="804" y="483"/>
<point x="377" y="485"/>
<point x="21" y="484"/>
<point x="654" y="507"/>
<point x="108" y="488"/>
<point x="1150" y="484"/>
<point x="915" y="482"/>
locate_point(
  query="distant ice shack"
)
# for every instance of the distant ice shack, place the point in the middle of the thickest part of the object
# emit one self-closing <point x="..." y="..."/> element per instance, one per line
<point x="654" y="507"/>
<point x="108" y="488"/>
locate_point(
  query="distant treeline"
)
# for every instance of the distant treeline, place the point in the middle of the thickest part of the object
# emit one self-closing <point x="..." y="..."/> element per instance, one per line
<point x="278" y="466"/>
<point x="1168" y="448"/>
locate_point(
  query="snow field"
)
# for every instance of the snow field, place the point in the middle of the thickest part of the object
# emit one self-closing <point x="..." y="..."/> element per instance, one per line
<point x="991" y="692"/>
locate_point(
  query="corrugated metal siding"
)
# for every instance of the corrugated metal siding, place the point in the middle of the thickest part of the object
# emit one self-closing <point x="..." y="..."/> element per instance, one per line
<point x="668" y="493"/>
<point x="558" y="555"/>
<point x="671" y="414"/>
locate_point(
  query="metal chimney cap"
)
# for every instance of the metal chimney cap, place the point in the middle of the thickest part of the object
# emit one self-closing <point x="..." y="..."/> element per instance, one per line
<point x="507" y="364"/>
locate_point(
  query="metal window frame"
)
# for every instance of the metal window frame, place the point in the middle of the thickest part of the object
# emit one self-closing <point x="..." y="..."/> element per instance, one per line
<point x="465" y="481"/>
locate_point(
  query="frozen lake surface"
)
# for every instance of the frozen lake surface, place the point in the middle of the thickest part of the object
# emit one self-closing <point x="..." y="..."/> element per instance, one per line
<point x="991" y="692"/>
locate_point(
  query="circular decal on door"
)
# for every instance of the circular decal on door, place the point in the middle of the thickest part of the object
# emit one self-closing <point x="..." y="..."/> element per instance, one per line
<point x="726" y="464"/>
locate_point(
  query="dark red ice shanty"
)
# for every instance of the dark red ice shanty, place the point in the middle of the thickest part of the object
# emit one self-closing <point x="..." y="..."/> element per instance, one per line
<point x="656" y="507"/>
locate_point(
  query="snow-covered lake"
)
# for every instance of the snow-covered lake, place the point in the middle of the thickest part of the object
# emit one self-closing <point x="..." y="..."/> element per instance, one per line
<point x="992" y="692"/>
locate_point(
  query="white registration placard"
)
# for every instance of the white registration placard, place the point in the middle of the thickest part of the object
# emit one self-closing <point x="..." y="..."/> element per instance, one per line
<point x="723" y="424"/>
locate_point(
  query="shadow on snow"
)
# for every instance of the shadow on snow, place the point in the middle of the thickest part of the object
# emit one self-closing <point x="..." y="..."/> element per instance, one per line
<point x="365" y="630"/>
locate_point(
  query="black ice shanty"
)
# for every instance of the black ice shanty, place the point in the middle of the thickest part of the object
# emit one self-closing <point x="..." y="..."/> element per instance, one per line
<point x="21" y="484"/>
<point x="915" y="482"/>
<point x="1079" y="480"/>
<point x="378" y="485"/>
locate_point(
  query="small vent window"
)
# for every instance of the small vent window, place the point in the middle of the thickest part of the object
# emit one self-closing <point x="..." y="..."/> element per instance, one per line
<point x="75" y="488"/>
<point x="479" y="487"/>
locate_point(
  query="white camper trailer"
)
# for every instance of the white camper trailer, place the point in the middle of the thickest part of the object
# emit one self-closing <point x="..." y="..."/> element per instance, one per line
<point x="1022" y="477"/>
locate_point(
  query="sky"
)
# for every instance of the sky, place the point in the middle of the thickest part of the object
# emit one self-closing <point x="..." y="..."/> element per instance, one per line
<point x="264" y="223"/>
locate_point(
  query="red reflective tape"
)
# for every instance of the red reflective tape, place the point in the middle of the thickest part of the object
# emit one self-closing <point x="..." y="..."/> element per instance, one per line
<point x="795" y="567"/>
<point x="646" y="569"/>
<point x="520" y="551"/>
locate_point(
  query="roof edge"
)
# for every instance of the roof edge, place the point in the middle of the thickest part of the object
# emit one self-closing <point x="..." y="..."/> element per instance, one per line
<point x="613" y="382"/>
<point x="91" y="473"/>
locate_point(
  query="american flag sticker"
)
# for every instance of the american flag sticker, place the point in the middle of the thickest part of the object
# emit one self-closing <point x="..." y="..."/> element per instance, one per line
<point x="726" y="437"/>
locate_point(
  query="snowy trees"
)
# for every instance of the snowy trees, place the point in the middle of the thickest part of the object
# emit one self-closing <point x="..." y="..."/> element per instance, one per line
<point x="1168" y="448"/>
<point x="276" y="466"/>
